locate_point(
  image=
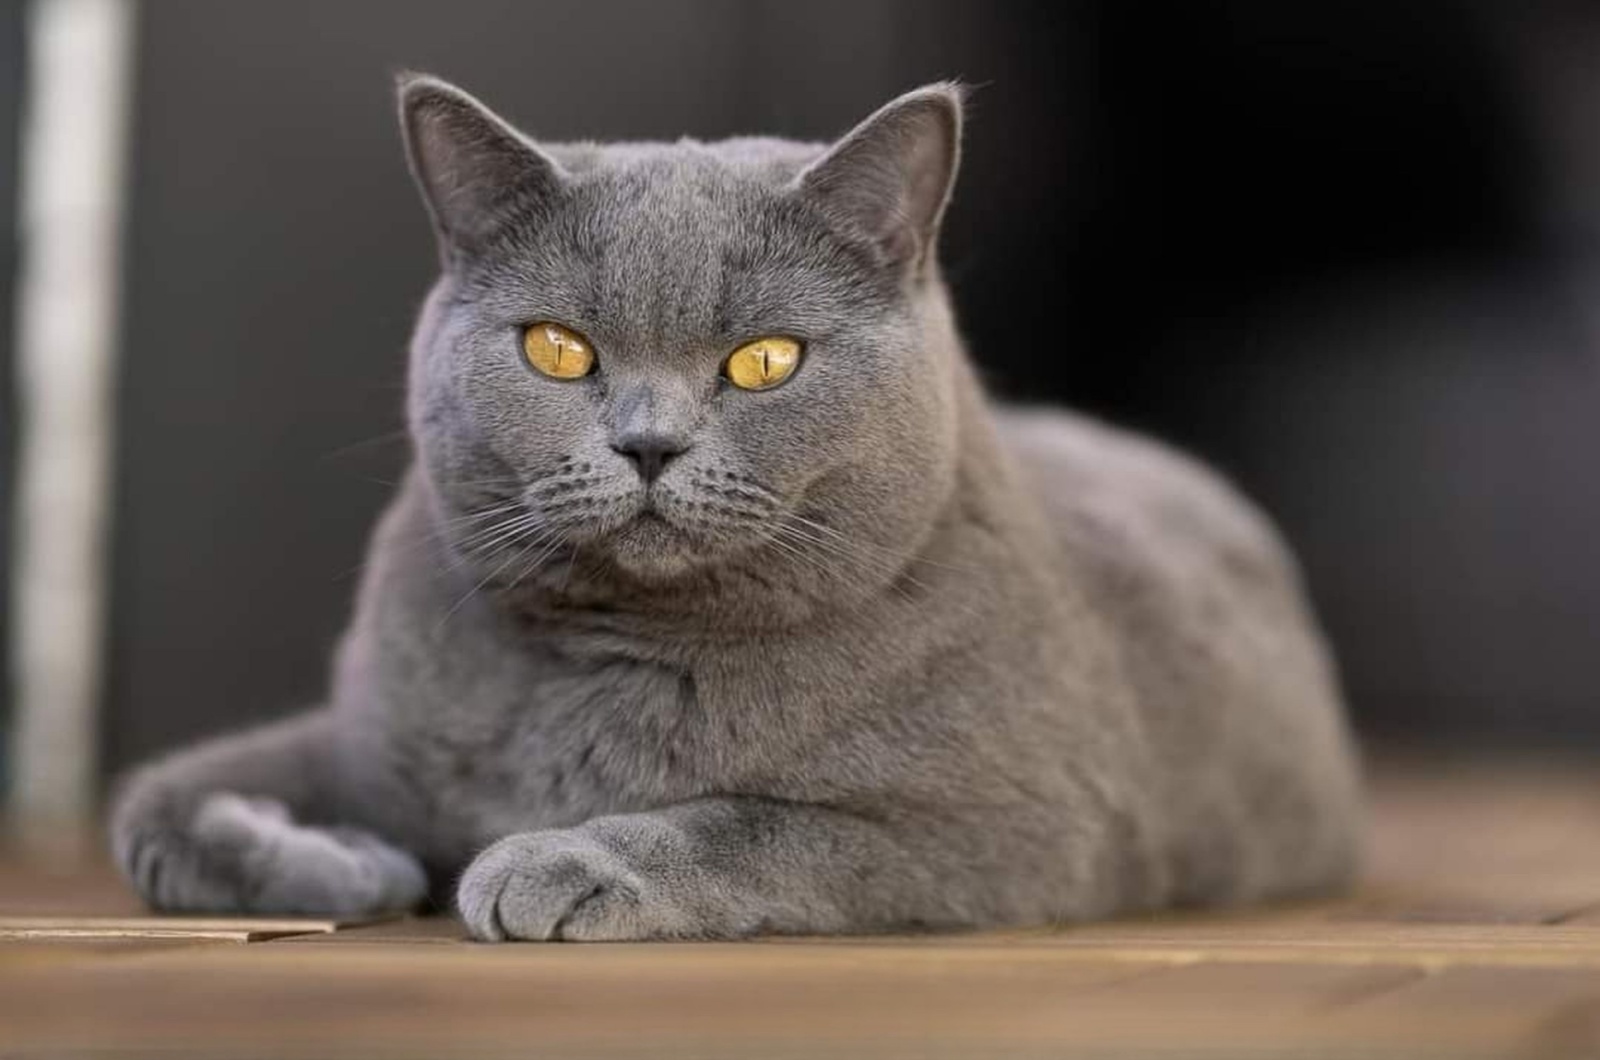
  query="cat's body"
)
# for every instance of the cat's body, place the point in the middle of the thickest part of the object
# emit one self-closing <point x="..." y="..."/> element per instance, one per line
<point x="994" y="666"/>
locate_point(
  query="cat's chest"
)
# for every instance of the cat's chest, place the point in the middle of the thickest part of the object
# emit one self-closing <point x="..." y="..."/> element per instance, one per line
<point x="550" y="737"/>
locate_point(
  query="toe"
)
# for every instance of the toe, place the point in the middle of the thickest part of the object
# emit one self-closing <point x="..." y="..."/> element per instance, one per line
<point x="529" y="886"/>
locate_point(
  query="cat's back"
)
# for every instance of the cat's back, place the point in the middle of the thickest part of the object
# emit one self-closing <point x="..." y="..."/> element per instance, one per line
<point x="1215" y="630"/>
<point x="1128" y="506"/>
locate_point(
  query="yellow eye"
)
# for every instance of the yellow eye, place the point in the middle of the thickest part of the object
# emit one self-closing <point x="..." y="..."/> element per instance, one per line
<point x="558" y="352"/>
<point x="762" y="364"/>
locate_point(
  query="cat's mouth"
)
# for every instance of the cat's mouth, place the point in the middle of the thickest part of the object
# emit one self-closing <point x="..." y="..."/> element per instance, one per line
<point x="662" y="535"/>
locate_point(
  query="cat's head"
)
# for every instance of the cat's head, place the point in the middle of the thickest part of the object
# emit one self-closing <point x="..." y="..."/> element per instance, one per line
<point x="685" y="356"/>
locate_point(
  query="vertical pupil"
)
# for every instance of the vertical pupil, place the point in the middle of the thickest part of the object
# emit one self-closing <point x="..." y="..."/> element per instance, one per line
<point x="766" y="366"/>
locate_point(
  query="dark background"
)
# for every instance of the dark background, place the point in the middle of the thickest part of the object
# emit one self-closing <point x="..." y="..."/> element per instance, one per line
<point x="1341" y="250"/>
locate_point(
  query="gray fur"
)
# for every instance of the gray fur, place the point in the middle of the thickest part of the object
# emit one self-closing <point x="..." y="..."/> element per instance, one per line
<point x="885" y="655"/>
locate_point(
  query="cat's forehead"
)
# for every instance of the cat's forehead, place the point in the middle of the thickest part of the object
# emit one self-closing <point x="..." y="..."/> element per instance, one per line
<point x="681" y="239"/>
<point x="674" y="205"/>
<point x="761" y="160"/>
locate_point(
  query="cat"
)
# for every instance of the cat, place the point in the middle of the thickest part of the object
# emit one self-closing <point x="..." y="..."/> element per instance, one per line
<point x="719" y="600"/>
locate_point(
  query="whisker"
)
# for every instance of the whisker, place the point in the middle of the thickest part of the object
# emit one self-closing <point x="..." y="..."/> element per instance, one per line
<point x="816" y="564"/>
<point x="892" y="573"/>
<point x="847" y="550"/>
<point x="477" y="536"/>
<point x="572" y="561"/>
<point x="433" y="537"/>
<point x="487" y="578"/>
<point x="508" y="480"/>
<point x="836" y="533"/>
<point x="481" y="513"/>
<point x="901" y="573"/>
<point x="364" y="443"/>
<point x="537" y="561"/>
<point x="502" y="534"/>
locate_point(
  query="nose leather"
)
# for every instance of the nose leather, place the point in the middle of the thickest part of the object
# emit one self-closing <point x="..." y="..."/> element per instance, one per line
<point x="650" y="453"/>
<point x="651" y="424"/>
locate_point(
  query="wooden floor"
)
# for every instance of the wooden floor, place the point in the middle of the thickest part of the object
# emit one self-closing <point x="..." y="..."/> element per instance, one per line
<point x="1476" y="934"/>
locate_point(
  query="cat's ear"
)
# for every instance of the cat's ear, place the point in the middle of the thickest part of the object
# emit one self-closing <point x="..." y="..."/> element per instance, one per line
<point x="890" y="177"/>
<point x="475" y="171"/>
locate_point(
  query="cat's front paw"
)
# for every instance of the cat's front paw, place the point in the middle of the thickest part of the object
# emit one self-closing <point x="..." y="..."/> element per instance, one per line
<point x="235" y="854"/>
<point x="567" y="885"/>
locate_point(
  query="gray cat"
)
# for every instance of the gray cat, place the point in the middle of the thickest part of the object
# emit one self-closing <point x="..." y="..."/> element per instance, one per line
<point x="720" y="601"/>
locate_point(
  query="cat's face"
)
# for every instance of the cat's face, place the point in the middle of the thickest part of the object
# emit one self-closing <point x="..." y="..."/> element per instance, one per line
<point x="591" y="373"/>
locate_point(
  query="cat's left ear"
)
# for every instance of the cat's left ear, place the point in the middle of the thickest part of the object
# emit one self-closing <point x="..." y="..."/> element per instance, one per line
<point x="890" y="177"/>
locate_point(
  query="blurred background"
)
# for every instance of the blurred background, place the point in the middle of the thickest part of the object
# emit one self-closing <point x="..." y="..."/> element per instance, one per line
<point x="1345" y="251"/>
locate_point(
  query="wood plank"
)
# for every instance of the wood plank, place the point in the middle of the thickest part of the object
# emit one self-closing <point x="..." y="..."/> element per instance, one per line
<point x="1503" y="840"/>
<point x="1426" y="945"/>
<point x="33" y="952"/>
<point x="1228" y="1008"/>
<point x="235" y="929"/>
<point x="1534" y="1012"/>
<point x="1296" y="988"/>
<point x="446" y="1000"/>
<point x="1588" y="916"/>
<point x="427" y="930"/>
<point x="710" y="1000"/>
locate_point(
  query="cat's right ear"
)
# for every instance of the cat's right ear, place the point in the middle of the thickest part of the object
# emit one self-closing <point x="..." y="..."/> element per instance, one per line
<point x="475" y="171"/>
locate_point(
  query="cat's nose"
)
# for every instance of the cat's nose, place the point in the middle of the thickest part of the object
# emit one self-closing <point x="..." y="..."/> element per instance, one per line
<point x="650" y="453"/>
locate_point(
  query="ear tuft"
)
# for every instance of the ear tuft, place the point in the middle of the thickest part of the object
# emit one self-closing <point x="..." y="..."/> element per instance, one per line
<point x="474" y="170"/>
<point x="890" y="177"/>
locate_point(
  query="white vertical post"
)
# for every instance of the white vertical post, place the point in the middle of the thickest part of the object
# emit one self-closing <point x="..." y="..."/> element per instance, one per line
<point x="72" y="182"/>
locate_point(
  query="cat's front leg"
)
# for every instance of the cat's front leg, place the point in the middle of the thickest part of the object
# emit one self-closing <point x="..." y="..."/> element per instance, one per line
<point x="713" y="868"/>
<point x="220" y="828"/>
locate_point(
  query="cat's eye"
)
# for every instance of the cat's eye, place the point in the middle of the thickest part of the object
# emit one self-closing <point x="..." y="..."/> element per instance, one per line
<point x="762" y="364"/>
<point x="558" y="352"/>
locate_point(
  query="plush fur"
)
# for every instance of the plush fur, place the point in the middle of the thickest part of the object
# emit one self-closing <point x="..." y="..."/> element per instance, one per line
<point x="871" y="653"/>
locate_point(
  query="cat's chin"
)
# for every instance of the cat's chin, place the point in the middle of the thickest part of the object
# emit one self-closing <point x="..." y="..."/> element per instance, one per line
<point x="652" y="549"/>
